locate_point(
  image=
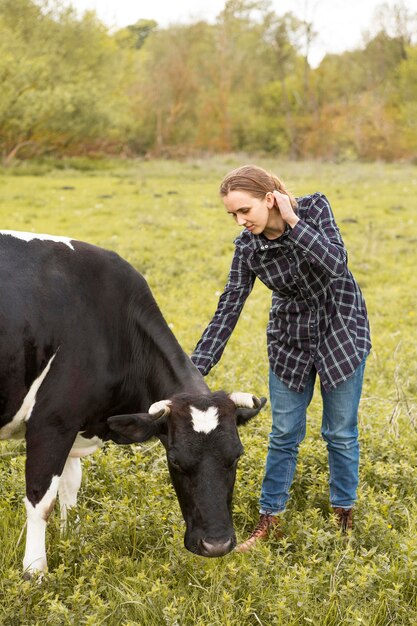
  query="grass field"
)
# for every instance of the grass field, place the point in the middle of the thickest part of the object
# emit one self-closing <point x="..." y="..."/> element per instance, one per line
<point x="123" y="562"/>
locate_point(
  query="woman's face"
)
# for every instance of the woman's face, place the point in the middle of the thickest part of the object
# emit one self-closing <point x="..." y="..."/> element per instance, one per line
<point x="250" y="212"/>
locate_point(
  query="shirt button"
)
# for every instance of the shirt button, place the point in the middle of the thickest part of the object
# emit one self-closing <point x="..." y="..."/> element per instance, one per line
<point x="266" y="246"/>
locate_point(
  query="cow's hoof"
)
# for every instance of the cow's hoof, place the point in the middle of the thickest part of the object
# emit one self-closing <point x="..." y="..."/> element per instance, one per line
<point x="35" y="576"/>
<point x="35" y="573"/>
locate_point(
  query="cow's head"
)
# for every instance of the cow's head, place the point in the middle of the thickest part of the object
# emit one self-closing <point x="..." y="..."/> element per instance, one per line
<point x="203" y="448"/>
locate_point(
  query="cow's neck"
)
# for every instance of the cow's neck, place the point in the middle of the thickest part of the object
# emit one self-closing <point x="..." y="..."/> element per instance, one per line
<point x="167" y="370"/>
<point x="172" y="373"/>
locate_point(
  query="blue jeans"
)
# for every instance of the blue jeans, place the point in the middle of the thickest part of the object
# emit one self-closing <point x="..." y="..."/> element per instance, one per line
<point x="339" y="430"/>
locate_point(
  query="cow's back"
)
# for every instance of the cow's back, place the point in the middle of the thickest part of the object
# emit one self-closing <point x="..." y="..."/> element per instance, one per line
<point x="42" y="279"/>
<point x="65" y="298"/>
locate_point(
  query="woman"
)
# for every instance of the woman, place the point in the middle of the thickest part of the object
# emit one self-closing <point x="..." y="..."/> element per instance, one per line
<point x="317" y="325"/>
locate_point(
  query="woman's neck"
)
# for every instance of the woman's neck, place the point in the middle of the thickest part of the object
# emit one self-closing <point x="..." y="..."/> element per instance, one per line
<point x="275" y="226"/>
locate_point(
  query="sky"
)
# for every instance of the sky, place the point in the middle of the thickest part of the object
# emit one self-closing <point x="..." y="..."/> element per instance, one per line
<point x="340" y="23"/>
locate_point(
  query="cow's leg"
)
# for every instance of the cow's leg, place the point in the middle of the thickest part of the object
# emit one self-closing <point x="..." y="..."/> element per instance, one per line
<point x="69" y="485"/>
<point x="34" y="560"/>
<point x="47" y="451"/>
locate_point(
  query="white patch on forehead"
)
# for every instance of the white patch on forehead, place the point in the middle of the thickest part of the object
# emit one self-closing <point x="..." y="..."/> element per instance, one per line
<point x="30" y="236"/>
<point x="204" y="421"/>
<point x="16" y="428"/>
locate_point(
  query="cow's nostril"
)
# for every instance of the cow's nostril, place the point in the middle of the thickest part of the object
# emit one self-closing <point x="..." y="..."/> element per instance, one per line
<point x="213" y="548"/>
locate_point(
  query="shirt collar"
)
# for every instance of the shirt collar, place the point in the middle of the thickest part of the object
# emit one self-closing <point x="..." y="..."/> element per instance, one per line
<point x="253" y="242"/>
<point x="260" y="242"/>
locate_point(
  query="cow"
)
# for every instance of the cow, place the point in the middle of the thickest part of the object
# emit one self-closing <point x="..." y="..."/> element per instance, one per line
<point x="86" y="357"/>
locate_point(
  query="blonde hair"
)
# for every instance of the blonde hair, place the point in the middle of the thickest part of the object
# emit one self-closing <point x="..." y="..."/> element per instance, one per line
<point x="256" y="181"/>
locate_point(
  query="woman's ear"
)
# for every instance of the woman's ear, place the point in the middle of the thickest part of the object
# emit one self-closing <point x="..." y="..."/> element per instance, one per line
<point x="270" y="200"/>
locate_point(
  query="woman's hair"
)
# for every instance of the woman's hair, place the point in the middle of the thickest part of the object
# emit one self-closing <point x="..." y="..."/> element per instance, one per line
<point x="254" y="180"/>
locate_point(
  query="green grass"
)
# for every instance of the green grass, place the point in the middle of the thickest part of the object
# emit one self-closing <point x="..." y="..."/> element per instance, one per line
<point x="123" y="562"/>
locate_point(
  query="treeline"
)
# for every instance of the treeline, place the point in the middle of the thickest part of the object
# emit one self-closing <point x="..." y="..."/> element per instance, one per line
<point x="70" y="86"/>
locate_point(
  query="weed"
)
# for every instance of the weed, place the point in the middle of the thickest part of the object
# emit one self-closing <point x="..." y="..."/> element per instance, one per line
<point x="123" y="562"/>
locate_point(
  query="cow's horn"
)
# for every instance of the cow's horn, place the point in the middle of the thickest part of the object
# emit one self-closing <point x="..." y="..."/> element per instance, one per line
<point x="245" y="400"/>
<point x="158" y="409"/>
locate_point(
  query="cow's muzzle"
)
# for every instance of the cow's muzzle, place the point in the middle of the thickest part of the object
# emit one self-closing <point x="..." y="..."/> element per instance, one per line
<point x="216" y="547"/>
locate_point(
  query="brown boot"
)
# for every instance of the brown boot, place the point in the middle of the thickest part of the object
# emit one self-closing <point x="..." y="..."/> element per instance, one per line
<point x="267" y="523"/>
<point x="344" y="518"/>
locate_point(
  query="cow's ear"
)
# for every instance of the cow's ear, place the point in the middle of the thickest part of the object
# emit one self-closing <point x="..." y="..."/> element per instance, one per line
<point x="135" y="428"/>
<point x="244" y="414"/>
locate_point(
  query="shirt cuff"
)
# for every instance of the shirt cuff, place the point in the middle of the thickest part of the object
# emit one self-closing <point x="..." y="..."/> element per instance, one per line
<point x="304" y="235"/>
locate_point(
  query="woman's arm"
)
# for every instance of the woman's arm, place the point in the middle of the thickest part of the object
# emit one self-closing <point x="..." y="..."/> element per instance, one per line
<point x="322" y="243"/>
<point x="214" y="339"/>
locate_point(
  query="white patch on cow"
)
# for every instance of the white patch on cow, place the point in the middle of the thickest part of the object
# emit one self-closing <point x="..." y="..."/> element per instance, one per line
<point x="204" y="421"/>
<point x="35" y="554"/>
<point x="242" y="400"/>
<point x="69" y="484"/>
<point x="16" y="428"/>
<point x="30" y="236"/>
<point x="83" y="446"/>
<point x="157" y="407"/>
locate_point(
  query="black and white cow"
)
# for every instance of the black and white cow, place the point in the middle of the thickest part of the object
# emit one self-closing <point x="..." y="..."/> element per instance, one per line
<point x="85" y="357"/>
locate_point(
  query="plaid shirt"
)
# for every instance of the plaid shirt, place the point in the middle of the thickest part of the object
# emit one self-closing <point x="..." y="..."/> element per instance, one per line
<point x="318" y="314"/>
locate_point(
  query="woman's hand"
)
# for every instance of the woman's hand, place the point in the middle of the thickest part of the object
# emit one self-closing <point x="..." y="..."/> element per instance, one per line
<point x="284" y="206"/>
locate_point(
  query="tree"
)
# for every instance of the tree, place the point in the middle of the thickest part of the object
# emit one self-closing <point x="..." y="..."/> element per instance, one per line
<point x="60" y="79"/>
<point x="135" y="35"/>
